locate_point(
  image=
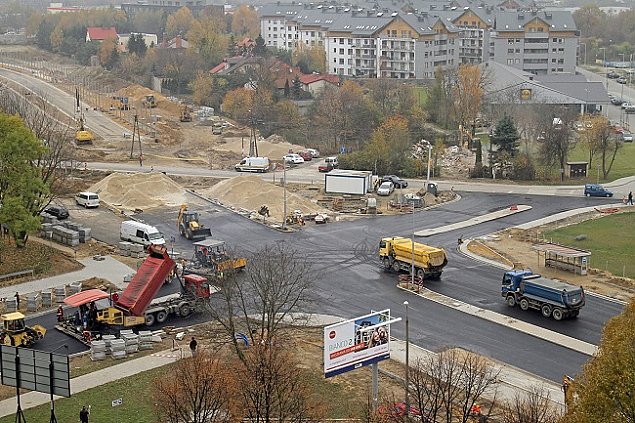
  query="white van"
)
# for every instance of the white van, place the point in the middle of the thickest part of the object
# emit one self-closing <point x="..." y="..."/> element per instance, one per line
<point x="87" y="199"/>
<point x="140" y="233"/>
<point x="253" y="164"/>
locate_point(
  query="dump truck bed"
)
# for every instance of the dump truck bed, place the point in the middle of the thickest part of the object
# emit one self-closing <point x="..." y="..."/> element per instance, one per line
<point x="146" y="283"/>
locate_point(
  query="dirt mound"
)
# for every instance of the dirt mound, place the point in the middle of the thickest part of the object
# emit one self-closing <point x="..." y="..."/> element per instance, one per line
<point x="136" y="93"/>
<point x="139" y="190"/>
<point x="251" y="192"/>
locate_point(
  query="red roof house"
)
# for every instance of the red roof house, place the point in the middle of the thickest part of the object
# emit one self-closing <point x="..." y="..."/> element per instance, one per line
<point x="94" y="33"/>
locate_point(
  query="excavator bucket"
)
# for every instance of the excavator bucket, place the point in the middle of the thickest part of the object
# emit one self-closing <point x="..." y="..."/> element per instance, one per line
<point x="200" y="234"/>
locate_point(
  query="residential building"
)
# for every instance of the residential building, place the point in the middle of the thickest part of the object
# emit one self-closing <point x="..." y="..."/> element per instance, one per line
<point x="540" y="42"/>
<point x="149" y="39"/>
<point x="94" y="33"/>
<point x="176" y="42"/>
<point x="475" y="27"/>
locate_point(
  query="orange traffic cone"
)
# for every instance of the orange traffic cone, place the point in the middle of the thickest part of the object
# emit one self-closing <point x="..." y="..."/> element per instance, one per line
<point x="514" y="207"/>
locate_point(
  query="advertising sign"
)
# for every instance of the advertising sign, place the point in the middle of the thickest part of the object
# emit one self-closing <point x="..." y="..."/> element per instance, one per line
<point x="355" y="343"/>
<point x="35" y="370"/>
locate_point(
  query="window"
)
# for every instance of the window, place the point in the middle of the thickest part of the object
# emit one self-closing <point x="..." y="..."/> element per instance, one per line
<point x="334" y="60"/>
<point x="350" y="51"/>
<point x="517" y="40"/>
<point x="517" y="51"/>
<point x="334" y="50"/>
<point x="510" y="51"/>
<point x="510" y="41"/>
<point x="510" y="61"/>
<point x="555" y="40"/>
<point x="553" y="60"/>
<point x="560" y="70"/>
<point x="341" y="51"/>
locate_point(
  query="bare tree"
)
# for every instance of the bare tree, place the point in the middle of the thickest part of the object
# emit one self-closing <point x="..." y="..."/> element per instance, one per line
<point x="557" y="138"/>
<point x="195" y="390"/>
<point x="447" y="385"/>
<point x="273" y="388"/>
<point x="534" y="406"/>
<point x="276" y="283"/>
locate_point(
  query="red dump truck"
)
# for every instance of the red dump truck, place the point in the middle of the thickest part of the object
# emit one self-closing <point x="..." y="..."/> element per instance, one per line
<point x="136" y="305"/>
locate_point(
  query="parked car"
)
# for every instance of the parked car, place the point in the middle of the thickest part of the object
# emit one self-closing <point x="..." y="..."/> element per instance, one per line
<point x="396" y="180"/>
<point x="578" y="126"/>
<point x="315" y="153"/>
<point x="307" y="156"/>
<point x="596" y="190"/>
<point x="293" y="158"/>
<point x="386" y="188"/>
<point x="617" y="101"/>
<point x="613" y="75"/>
<point x="627" y="137"/>
<point x="621" y="80"/>
<point x="329" y="164"/>
<point x="58" y="211"/>
<point x="630" y="108"/>
<point x="626" y="104"/>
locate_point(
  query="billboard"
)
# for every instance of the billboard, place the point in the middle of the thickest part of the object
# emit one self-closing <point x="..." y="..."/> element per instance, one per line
<point x="357" y="342"/>
<point x="35" y="370"/>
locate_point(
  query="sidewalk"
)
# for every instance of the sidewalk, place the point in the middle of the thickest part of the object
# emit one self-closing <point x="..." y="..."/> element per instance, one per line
<point x="110" y="269"/>
<point x="474" y="221"/>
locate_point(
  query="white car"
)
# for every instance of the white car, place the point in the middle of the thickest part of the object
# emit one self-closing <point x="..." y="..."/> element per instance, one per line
<point x="386" y="188"/>
<point x="293" y="158"/>
<point x="313" y="152"/>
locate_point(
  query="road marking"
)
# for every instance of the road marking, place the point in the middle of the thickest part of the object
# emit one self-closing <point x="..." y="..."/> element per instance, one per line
<point x="528" y="328"/>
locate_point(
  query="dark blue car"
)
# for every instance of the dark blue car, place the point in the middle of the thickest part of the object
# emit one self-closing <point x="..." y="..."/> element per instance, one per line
<point x="595" y="190"/>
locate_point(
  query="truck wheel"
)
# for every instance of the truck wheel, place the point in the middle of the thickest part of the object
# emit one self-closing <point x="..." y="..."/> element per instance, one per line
<point x="421" y="274"/>
<point x="546" y="310"/>
<point x="162" y="316"/>
<point x="149" y="319"/>
<point x="386" y="263"/>
<point x="185" y="310"/>
<point x="524" y="304"/>
<point x="511" y="301"/>
<point x="558" y="314"/>
<point x="395" y="266"/>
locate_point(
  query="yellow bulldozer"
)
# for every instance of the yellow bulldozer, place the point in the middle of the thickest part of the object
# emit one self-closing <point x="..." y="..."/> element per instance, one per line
<point x="189" y="225"/>
<point x="15" y="332"/>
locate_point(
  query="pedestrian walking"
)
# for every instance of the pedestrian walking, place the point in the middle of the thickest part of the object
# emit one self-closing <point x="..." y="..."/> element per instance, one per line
<point x="193" y="344"/>
<point x="60" y="314"/>
<point x="630" y="198"/>
<point x="17" y="301"/>
<point x="141" y="160"/>
<point x="83" y="414"/>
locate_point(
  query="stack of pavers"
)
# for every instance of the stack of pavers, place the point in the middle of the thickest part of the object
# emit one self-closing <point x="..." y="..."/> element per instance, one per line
<point x="145" y="340"/>
<point x="107" y="340"/>
<point x="118" y="348"/>
<point x="47" y="298"/>
<point x="124" y="248"/>
<point x="131" y="340"/>
<point x="33" y="301"/>
<point x="137" y="251"/>
<point x="98" y="350"/>
<point x="67" y="233"/>
<point x="65" y="236"/>
<point x="11" y="304"/>
<point x="60" y="294"/>
<point x="74" y="288"/>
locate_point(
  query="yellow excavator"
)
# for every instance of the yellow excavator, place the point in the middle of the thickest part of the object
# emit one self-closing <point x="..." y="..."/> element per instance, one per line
<point x="149" y="101"/>
<point x="15" y="332"/>
<point x="189" y="225"/>
<point x="82" y="135"/>
<point x="186" y="116"/>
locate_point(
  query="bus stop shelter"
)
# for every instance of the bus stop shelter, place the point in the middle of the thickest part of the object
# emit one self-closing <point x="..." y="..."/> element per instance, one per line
<point x="563" y="257"/>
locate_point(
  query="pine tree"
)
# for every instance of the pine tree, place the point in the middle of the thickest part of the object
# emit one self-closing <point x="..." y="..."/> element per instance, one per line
<point x="506" y="136"/>
<point x="287" y="90"/>
<point x="259" y="48"/>
<point x="297" y="87"/>
<point x="231" y="47"/>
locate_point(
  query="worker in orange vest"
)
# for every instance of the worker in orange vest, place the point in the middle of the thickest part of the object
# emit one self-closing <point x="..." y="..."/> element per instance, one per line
<point x="60" y="314"/>
<point x="476" y="410"/>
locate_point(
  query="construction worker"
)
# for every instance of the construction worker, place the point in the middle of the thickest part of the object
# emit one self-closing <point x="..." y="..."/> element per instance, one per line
<point x="193" y="344"/>
<point x="60" y="314"/>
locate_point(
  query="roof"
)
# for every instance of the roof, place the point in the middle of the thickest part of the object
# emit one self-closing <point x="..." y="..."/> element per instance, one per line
<point x="218" y="67"/>
<point x="210" y="243"/>
<point x="561" y="250"/>
<point x="309" y="79"/>
<point x="99" y="33"/>
<point x="557" y="20"/>
<point x="85" y="297"/>
<point x="16" y="315"/>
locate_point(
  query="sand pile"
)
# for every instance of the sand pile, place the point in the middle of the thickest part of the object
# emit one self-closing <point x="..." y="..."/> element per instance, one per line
<point x="251" y="192"/>
<point x="136" y="93"/>
<point x="139" y="190"/>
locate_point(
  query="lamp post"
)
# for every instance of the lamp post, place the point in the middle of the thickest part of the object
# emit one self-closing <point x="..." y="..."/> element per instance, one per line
<point x="427" y="143"/>
<point x="284" y="187"/>
<point x="412" y="268"/>
<point x="604" y="64"/>
<point x="622" y="54"/>
<point x="405" y="303"/>
<point x="630" y="67"/>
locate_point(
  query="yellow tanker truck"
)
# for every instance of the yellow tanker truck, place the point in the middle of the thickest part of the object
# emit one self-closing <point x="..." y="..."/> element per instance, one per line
<point x="395" y="254"/>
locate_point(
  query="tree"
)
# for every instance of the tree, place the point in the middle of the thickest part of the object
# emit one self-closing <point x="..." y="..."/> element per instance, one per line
<point x="276" y="283"/>
<point x="137" y="45"/>
<point x="604" y="390"/>
<point x="287" y="89"/>
<point x="105" y="51"/>
<point x="260" y="47"/>
<point x="604" y="141"/>
<point x="57" y="39"/>
<point x="21" y="184"/>
<point x="557" y="137"/>
<point x="179" y="22"/>
<point x="231" y="46"/>
<point x="272" y="387"/>
<point x="149" y="21"/>
<point x="208" y="38"/>
<point x="202" y="89"/>
<point x="438" y="102"/>
<point x="296" y="91"/>
<point x="467" y="94"/>
<point x="533" y="406"/>
<point x="245" y="22"/>
<point x="195" y="390"/>
<point x="505" y="136"/>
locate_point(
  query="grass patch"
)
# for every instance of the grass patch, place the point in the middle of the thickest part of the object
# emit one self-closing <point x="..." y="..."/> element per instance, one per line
<point x="137" y="404"/>
<point x="623" y="166"/>
<point x="421" y="94"/>
<point x="608" y="238"/>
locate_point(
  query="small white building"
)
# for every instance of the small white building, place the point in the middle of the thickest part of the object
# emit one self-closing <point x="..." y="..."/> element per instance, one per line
<point x="150" y="40"/>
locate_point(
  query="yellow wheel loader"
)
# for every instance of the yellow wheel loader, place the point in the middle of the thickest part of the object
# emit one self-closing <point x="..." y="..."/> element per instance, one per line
<point x="189" y="225"/>
<point x="15" y="332"/>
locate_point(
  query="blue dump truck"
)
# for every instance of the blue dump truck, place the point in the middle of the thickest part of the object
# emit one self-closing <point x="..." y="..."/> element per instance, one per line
<point x="553" y="298"/>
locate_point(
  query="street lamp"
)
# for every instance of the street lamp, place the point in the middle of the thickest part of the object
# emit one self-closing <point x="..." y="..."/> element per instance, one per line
<point x="426" y="142"/>
<point x="405" y="303"/>
<point x="621" y="54"/>
<point x="630" y="65"/>
<point x="412" y="268"/>
<point x="604" y="64"/>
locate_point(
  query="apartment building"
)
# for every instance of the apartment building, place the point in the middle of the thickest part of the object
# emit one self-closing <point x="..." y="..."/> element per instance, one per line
<point x="279" y="25"/>
<point x="475" y="34"/>
<point x="540" y="42"/>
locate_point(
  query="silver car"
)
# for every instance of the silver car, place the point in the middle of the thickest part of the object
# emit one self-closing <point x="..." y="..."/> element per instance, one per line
<point x="386" y="188"/>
